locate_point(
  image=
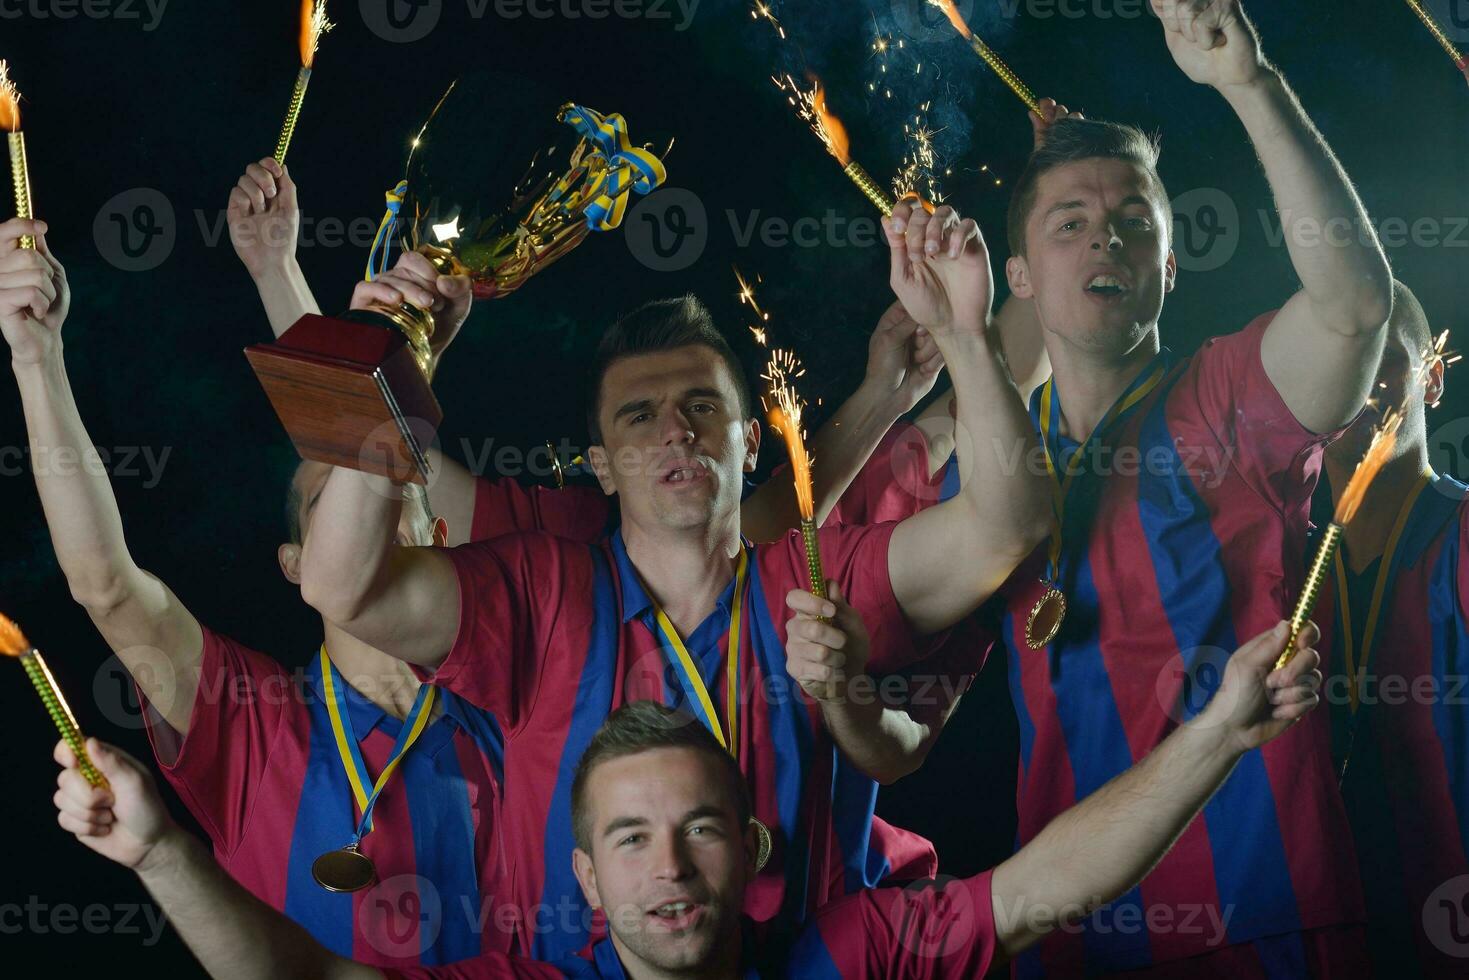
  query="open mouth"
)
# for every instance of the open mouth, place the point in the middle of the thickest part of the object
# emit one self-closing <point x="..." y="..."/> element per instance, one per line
<point x="683" y="472"/>
<point x="1107" y="286"/>
<point x="677" y="915"/>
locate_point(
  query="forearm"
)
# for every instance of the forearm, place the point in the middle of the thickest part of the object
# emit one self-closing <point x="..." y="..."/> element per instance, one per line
<point x="1331" y="242"/>
<point x="884" y="742"/>
<point x="81" y="511"/>
<point x="234" y="935"/>
<point x="1102" y="846"/>
<point x="285" y="295"/>
<point x="349" y="550"/>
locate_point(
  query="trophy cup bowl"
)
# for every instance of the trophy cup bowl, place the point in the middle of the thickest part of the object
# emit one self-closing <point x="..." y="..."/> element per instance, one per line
<point x="492" y="191"/>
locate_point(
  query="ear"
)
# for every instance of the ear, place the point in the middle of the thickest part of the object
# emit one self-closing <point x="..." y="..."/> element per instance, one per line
<point x="586" y="876"/>
<point x="1017" y="274"/>
<point x="602" y="466"/>
<point x="1433" y="384"/>
<point x="752" y="444"/>
<point x="288" y="556"/>
<point x="1170" y="272"/>
<point x="440" y="533"/>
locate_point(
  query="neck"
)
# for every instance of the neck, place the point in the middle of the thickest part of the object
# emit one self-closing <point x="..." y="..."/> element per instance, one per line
<point x="1365" y="537"/>
<point x="1089" y="382"/>
<point x="685" y="570"/>
<point x="386" y="681"/>
<point x="723" y="963"/>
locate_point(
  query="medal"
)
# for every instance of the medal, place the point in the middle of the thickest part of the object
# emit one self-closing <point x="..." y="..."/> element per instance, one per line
<point x="348" y="869"/>
<point x="1045" y="618"/>
<point x="698" y="693"/>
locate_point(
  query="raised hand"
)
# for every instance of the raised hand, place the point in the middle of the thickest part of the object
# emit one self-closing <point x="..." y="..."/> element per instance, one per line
<point x="414" y="280"/>
<point x="902" y="359"/>
<point x="1211" y="40"/>
<point x="1041" y="121"/>
<point x="823" y="657"/>
<point x="264" y="218"/>
<point x="34" y="296"/>
<point x="940" y="269"/>
<point x="122" y="825"/>
<point x="1257" y="702"/>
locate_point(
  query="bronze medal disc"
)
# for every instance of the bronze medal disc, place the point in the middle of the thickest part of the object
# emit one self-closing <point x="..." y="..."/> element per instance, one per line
<point x="762" y="853"/>
<point x="347" y="870"/>
<point x="1045" y="618"/>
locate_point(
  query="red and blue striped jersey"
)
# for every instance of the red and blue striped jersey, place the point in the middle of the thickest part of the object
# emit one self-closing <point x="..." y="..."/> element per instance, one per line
<point x="553" y="636"/>
<point x="1184" y="537"/>
<point x="1406" y="748"/>
<point x="259" y="770"/>
<point x="574" y="512"/>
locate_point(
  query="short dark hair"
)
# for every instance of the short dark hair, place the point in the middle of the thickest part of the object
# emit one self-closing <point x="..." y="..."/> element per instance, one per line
<point x="1070" y="140"/>
<point x="663" y="324"/>
<point x="642" y="726"/>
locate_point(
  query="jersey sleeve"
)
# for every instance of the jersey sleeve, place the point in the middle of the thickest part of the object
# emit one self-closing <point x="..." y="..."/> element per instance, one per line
<point x="893" y="484"/>
<point x="516" y="595"/>
<point x="931" y="930"/>
<point x="241" y="703"/>
<point x="503" y="506"/>
<point x="1227" y="404"/>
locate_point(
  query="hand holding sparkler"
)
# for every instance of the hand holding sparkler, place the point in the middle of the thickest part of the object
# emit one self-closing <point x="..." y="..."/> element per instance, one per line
<point x="264" y="218"/>
<point x="34" y="303"/>
<point x="1212" y="41"/>
<point x="1044" y="116"/>
<point x="1256" y="701"/>
<point x="903" y="360"/>
<point x="827" y="643"/>
<point x="122" y="822"/>
<point x="940" y="269"/>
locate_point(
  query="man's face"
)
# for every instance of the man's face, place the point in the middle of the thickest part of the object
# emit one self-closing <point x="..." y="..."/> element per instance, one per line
<point x="1097" y="260"/>
<point x="673" y="443"/>
<point x="670" y="860"/>
<point x="310" y="478"/>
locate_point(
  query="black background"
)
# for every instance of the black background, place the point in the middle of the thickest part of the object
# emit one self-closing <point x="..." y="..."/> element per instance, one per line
<point x="155" y="358"/>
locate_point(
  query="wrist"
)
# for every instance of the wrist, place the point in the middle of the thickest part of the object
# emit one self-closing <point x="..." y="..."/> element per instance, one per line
<point x="1213" y="734"/>
<point x="165" y="854"/>
<point x="878" y="402"/>
<point x="275" y="269"/>
<point x="1265" y="82"/>
<point x="47" y="363"/>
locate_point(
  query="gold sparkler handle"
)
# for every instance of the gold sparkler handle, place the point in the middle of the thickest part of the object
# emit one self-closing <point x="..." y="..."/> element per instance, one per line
<point x="21" y="179"/>
<point x="1437" y="32"/>
<point x="813" y="560"/>
<point x="1006" y="75"/>
<point x="869" y="187"/>
<point x="289" y="127"/>
<point x="60" y="713"/>
<point x="1315" y="577"/>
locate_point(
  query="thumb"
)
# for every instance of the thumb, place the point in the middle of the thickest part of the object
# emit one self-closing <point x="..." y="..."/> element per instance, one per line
<point x="1263" y="649"/>
<point x="454" y="287"/>
<point x="834" y="591"/>
<point x="111" y="762"/>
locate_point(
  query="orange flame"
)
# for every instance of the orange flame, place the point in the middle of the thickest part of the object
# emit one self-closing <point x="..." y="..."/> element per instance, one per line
<point x="1379" y="451"/>
<point x="313" y="25"/>
<point x="785" y="418"/>
<point x="13" y="642"/>
<point x="9" y="101"/>
<point x="834" y="132"/>
<point x="955" y="18"/>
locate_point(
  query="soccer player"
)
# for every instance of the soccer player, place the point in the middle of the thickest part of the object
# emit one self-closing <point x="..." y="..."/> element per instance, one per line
<point x="275" y="767"/>
<point x="1182" y="490"/>
<point x="1394" y="642"/>
<point x="551" y="636"/>
<point x="661" y="816"/>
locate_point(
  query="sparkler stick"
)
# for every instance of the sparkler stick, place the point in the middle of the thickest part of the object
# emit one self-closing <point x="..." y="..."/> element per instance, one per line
<point x="990" y="58"/>
<point x="784" y="408"/>
<point x="1460" y="60"/>
<point x="19" y="176"/>
<point x="811" y="107"/>
<point x="14" y="644"/>
<point x="313" y="25"/>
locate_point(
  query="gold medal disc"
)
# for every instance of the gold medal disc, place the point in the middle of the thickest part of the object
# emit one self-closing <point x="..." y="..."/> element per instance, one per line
<point x="1045" y="617"/>
<point x="347" y="870"/>
<point x="763" y="847"/>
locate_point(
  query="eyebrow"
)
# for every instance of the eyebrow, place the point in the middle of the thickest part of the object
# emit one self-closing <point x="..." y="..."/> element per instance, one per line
<point x="1074" y="205"/>
<point x="643" y="404"/>
<point x="627" y="823"/>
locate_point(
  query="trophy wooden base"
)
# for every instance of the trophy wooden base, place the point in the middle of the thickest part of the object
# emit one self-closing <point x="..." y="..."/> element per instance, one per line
<point x="350" y="393"/>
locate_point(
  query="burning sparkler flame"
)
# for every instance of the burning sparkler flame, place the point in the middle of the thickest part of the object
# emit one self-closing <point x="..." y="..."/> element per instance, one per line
<point x="13" y="642"/>
<point x="313" y="25"/>
<point x="1379" y="451"/>
<point x="784" y="409"/>
<point x="9" y="101"/>
<point x="955" y="18"/>
<point x="835" y="134"/>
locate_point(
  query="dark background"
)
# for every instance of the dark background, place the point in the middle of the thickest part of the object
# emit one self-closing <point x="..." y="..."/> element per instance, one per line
<point x="116" y="109"/>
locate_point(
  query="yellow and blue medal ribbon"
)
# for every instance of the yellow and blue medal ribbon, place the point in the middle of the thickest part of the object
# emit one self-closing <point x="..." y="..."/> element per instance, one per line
<point x="383" y="240"/>
<point x="692" y="681"/>
<point x="629" y="168"/>
<point x="351" y="753"/>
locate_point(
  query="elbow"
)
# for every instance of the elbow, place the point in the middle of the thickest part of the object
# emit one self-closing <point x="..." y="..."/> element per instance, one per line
<point x="100" y="593"/>
<point x="338" y="600"/>
<point x="1363" y="312"/>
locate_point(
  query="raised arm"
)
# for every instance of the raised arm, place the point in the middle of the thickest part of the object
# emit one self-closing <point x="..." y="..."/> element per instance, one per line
<point x="154" y="636"/>
<point x="1322" y="349"/>
<point x="234" y="935"/>
<point x="902" y="364"/>
<point x="1104" y="845"/>
<point x="945" y="561"/>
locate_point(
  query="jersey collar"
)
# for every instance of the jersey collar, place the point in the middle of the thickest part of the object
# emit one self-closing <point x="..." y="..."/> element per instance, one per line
<point x="636" y="603"/>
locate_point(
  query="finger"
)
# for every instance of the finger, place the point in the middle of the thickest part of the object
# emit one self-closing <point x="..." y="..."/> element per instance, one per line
<point x="82" y="828"/>
<point x="272" y="166"/>
<point x="1297" y="710"/>
<point x="374" y="293"/>
<point x="1297" y="693"/>
<point x="1262" y="650"/>
<point x="798" y="600"/>
<point x="915" y="234"/>
<point x="43" y="249"/>
<point x="417" y="267"/>
<point x="95" y="814"/>
<point x="454" y="287"/>
<point x="824" y="634"/>
<point x="938" y="223"/>
<point x="63" y="754"/>
<point x="13" y="230"/>
<point x="253" y="192"/>
<point x="239" y="201"/>
<point x="263" y="178"/>
<point x="961" y="235"/>
<point x="893" y="227"/>
<point x="411" y="289"/>
<point x="72" y="784"/>
<point x="1301" y="663"/>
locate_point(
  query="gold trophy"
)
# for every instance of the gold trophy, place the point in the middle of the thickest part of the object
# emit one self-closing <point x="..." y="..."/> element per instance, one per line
<point x="493" y="191"/>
